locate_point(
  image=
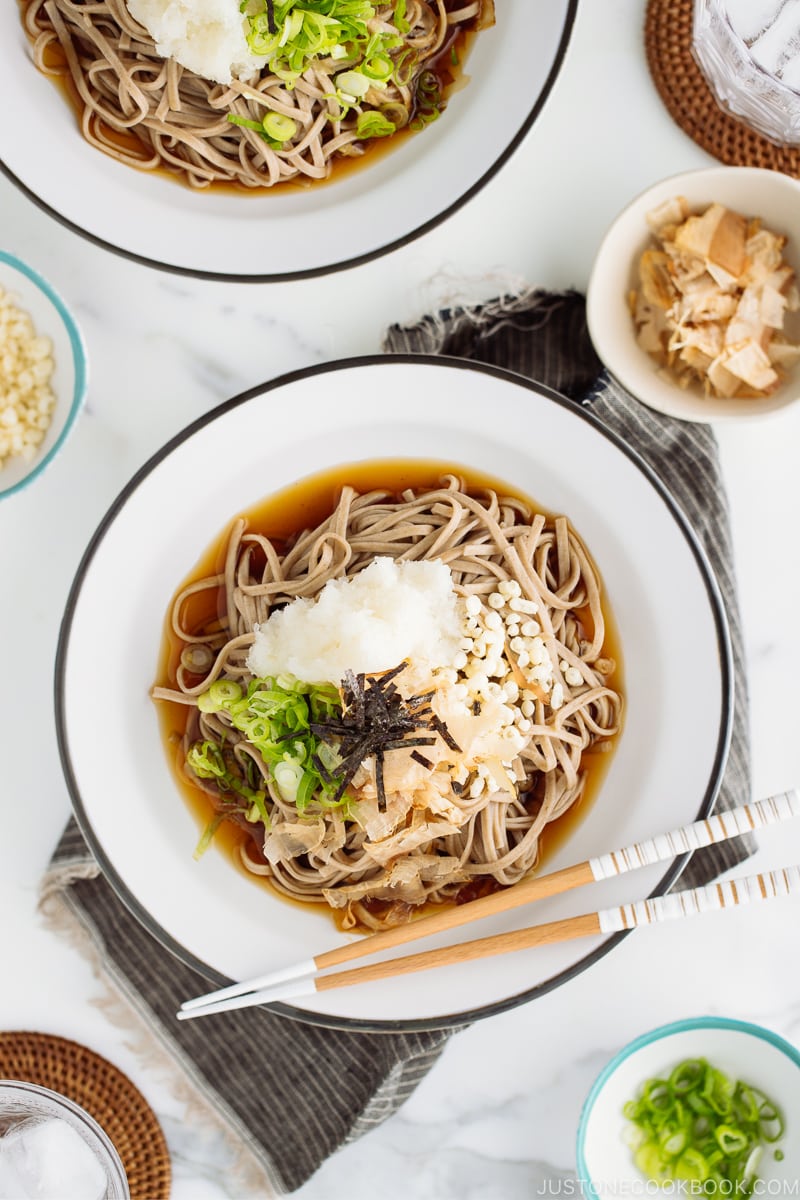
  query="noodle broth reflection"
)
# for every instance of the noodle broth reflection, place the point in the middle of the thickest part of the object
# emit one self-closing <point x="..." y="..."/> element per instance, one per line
<point x="483" y="754"/>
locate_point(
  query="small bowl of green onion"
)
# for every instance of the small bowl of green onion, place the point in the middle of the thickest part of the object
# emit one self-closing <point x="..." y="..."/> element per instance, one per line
<point x="702" y="1107"/>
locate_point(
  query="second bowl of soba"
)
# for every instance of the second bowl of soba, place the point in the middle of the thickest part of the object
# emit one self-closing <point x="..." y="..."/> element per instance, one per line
<point x="272" y="139"/>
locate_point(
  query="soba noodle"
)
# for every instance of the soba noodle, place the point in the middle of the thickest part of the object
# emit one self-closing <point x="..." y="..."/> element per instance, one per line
<point x="488" y="541"/>
<point x="151" y="113"/>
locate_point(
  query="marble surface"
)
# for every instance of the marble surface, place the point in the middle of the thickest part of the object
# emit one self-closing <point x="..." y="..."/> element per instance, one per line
<point x="496" y="1118"/>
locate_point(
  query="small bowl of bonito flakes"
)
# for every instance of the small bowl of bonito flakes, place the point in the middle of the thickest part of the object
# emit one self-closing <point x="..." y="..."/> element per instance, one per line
<point x="693" y="302"/>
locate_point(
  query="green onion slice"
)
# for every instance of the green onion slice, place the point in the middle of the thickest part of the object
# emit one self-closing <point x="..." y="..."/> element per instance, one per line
<point x="374" y="124"/>
<point x="279" y="127"/>
<point x="378" y="67"/>
<point x="247" y="122"/>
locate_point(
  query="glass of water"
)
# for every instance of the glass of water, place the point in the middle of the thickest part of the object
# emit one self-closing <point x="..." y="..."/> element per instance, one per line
<point x="749" y="51"/>
<point x="51" y="1149"/>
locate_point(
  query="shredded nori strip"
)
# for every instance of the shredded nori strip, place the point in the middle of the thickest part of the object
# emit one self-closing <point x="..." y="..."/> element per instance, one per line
<point x="404" y="743"/>
<point x="421" y="759"/>
<point x="271" y="26"/>
<point x="438" y="724"/>
<point x="388" y="676"/>
<point x="379" y="782"/>
<point x="376" y="718"/>
<point x="321" y="769"/>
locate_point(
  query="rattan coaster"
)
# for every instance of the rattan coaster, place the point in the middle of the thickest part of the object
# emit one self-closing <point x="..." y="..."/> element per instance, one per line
<point x="105" y="1093"/>
<point x="690" y="102"/>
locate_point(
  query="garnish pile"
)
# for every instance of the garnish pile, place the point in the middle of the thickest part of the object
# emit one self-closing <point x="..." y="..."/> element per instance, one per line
<point x="376" y="719"/>
<point x="311" y="738"/>
<point x="700" y="1126"/>
<point x="367" y="54"/>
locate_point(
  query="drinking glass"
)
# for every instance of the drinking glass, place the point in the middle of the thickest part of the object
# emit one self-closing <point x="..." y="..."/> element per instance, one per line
<point x="749" y="52"/>
<point x="23" y="1104"/>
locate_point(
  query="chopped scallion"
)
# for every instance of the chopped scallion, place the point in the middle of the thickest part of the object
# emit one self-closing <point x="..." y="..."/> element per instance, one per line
<point x="373" y="124"/>
<point x="275" y="717"/>
<point x="352" y="83"/>
<point x="378" y="67"/>
<point x="279" y="126"/>
<point x="698" y="1125"/>
<point x="247" y="122"/>
<point x="293" y="34"/>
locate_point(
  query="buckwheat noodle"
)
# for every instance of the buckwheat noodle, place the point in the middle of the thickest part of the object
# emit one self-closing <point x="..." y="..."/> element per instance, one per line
<point x="151" y="113"/>
<point x="484" y="538"/>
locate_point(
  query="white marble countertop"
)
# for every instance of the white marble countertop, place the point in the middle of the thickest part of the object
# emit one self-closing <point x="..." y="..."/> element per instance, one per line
<point x="496" y="1118"/>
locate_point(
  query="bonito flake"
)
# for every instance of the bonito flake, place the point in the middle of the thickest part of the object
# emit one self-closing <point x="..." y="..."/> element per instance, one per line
<point x="713" y="295"/>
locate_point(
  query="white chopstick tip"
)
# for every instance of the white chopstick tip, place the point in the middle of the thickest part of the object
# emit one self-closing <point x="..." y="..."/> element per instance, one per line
<point x="282" y="975"/>
<point x="290" y="990"/>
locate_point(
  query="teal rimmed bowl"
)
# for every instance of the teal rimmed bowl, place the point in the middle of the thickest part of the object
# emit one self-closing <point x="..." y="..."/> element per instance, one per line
<point x="741" y="1050"/>
<point x="31" y="293"/>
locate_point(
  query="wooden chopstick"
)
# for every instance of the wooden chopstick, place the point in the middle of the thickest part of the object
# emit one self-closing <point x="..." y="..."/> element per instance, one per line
<point x="712" y="897"/>
<point x="707" y="832"/>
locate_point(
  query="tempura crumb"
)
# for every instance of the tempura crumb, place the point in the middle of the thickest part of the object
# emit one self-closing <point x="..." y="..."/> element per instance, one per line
<point x="26" y="369"/>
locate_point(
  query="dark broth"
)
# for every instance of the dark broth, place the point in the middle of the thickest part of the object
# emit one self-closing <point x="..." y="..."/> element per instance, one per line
<point x="303" y="505"/>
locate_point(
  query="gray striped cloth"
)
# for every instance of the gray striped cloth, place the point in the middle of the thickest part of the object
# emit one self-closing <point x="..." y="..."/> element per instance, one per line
<point x="287" y="1095"/>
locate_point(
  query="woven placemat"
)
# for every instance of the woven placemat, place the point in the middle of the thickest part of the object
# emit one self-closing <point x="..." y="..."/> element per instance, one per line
<point x="105" y="1093"/>
<point x="690" y="101"/>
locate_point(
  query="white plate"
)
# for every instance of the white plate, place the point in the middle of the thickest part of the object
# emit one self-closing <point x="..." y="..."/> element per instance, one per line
<point x="738" y="1049"/>
<point x="272" y="235"/>
<point x="664" y="772"/>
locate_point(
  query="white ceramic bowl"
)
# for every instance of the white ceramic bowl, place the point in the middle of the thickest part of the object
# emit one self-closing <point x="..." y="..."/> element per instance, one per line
<point x="661" y="593"/>
<point x="51" y="317"/>
<point x="279" y="235"/>
<point x="741" y="1050"/>
<point x="754" y="193"/>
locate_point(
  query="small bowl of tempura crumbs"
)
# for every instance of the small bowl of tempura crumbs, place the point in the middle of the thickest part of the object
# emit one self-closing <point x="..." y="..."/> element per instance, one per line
<point x="706" y="1106"/>
<point x="693" y="302"/>
<point x="43" y="374"/>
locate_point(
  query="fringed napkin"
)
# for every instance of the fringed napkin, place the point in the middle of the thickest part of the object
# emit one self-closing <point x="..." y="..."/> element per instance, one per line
<point x="284" y="1095"/>
<point x="245" y="1069"/>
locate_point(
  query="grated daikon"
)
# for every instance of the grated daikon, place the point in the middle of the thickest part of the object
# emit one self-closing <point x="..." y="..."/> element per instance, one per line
<point x="390" y="612"/>
<point x="205" y="36"/>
